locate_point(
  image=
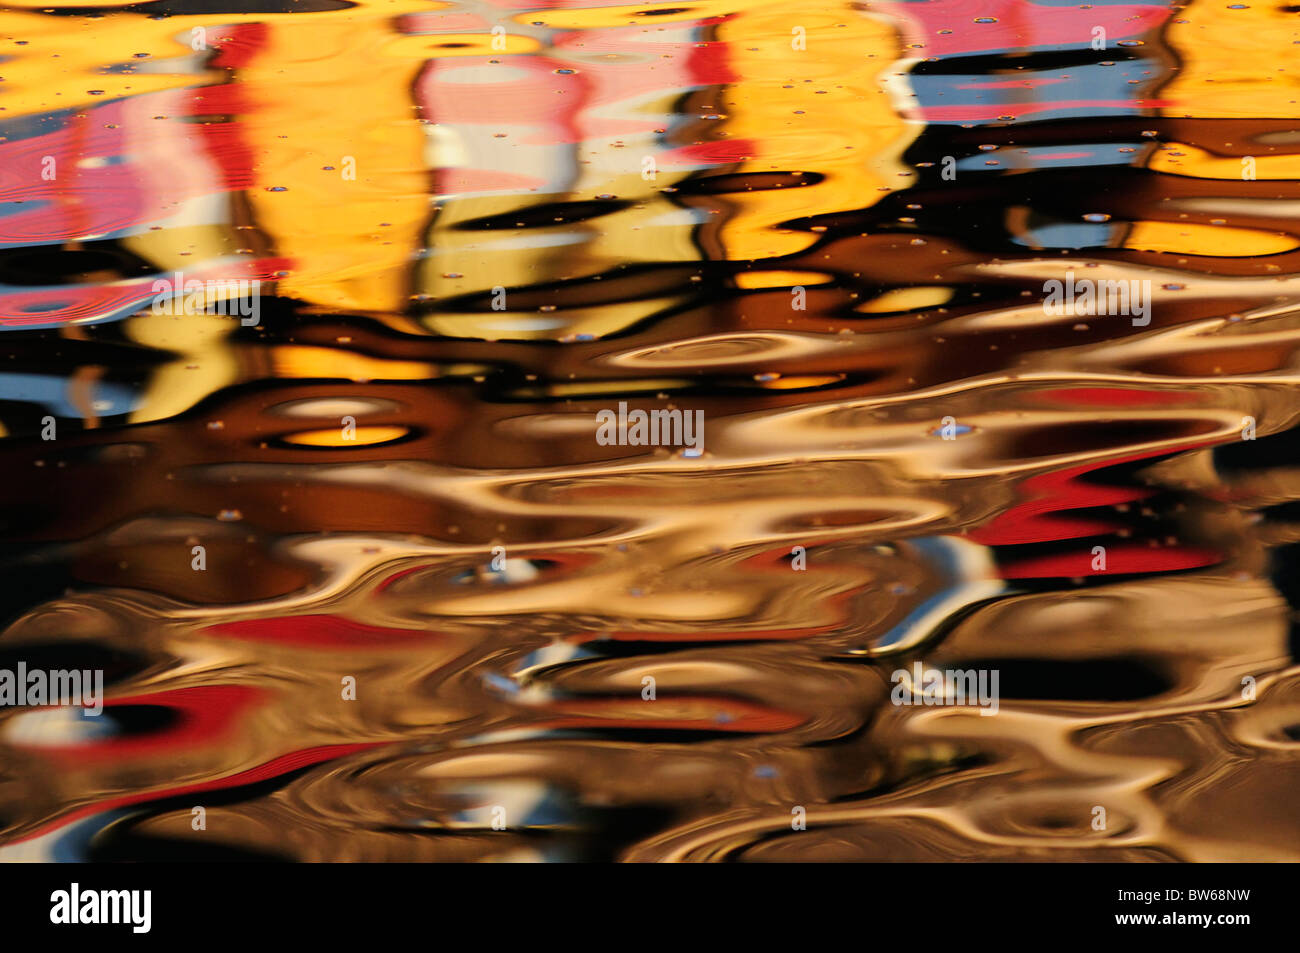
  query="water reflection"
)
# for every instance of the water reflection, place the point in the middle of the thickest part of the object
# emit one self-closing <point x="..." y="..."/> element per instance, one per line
<point x="365" y="586"/>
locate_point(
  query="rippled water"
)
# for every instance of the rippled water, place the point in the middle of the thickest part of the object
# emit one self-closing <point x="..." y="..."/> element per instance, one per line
<point x="476" y="226"/>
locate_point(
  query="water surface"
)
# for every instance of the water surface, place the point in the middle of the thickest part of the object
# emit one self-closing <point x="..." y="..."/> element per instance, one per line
<point x="475" y="226"/>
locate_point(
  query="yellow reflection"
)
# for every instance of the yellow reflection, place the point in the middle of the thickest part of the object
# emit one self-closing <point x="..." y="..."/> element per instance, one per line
<point x="37" y="81"/>
<point x="1201" y="164"/>
<point x="302" y="361"/>
<point x="1233" y="63"/>
<point x="906" y="299"/>
<point x="802" y="383"/>
<point x="810" y="102"/>
<point x="649" y="14"/>
<point x="779" y="279"/>
<point x="335" y="436"/>
<point x="441" y="45"/>
<point x="1199" y="239"/>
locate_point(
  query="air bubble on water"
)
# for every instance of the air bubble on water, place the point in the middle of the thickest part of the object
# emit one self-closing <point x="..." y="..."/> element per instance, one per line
<point x="1096" y="217"/>
<point x="229" y="516"/>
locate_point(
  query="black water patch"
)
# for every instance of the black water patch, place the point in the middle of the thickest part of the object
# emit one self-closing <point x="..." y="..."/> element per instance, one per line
<point x="546" y="215"/>
<point x="1117" y="679"/>
<point x="117" y="664"/>
<point x="1275" y="450"/>
<point x="132" y="721"/>
<point x="748" y="182"/>
<point x="45" y="265"/>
